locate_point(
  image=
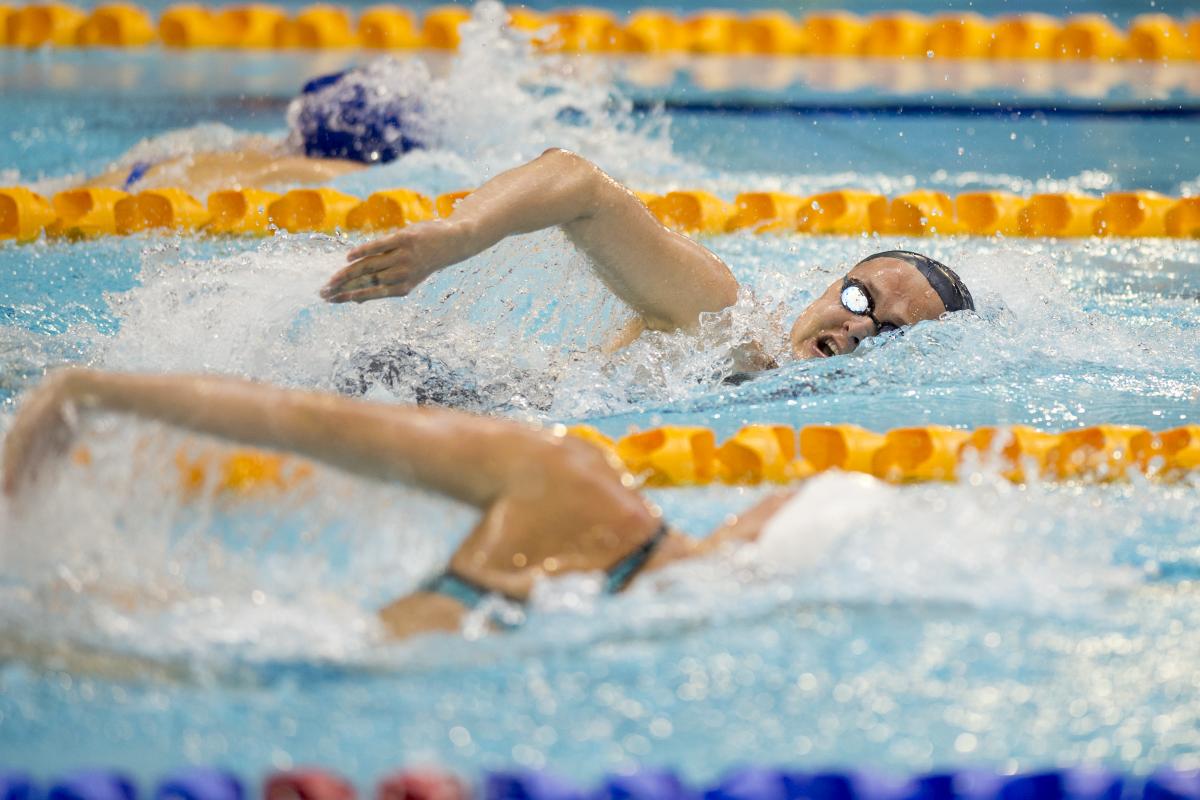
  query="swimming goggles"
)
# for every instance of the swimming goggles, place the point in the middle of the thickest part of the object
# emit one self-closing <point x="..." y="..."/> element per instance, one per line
<point x="857" y="299"/>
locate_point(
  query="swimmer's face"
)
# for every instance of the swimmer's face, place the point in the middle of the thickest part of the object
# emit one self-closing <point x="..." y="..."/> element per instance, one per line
<point x="902" y="297"/>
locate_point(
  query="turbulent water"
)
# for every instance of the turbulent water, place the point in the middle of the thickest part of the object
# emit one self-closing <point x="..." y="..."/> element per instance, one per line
<point x="926" y="625"/>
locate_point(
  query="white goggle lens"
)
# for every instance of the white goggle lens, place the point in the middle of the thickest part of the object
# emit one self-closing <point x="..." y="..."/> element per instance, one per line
<point x="855" y="300"/>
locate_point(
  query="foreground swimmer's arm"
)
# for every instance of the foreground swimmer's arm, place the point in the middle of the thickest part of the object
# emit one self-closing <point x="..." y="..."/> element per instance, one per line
<point x="551" y="503"/>
<point x="666" y="277"/>
<point x="422" y="446"/>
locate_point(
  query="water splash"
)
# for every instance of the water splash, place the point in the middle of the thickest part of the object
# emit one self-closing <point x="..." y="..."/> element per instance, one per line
<point x="500" y="105"/>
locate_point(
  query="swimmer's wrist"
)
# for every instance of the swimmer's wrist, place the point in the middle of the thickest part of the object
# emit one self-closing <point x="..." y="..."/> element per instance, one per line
<point x="468" y="234"/>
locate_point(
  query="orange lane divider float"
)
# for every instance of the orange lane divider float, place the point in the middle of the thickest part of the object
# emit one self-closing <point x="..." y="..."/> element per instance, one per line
<point x="845" y="212"/>
<point x="990" y="213"/>
<point x="892" y="34"/>
<point x="188" y="26"/>
<point x="85" y="212"/>
<point x="24" y="214"/>
<point x="694" y="211"/>
<point x="116" y="25"/>
<point x="1183" y="220"/>
<point x="390" y="209"/>
<point x="324" y="210"/>
<point x="159" y="209"/>
<point x="778" y="454"/>
<point x="1089" y="37"/>
<point x="439" y="28"/>
<point x="764" y="212"/>
<point x="444" y="204"/>
<point x="241" y="211"/>
<point x="251" y="27"/>
<point x="965" y="35"/>
<point x="388" y="28"/>
<point x="41" y="25"/>
<point x="895" y="34"/>
<point x="690" y="456"/>
<point x="317" y="27"/>
<point x="1025" y="36"/>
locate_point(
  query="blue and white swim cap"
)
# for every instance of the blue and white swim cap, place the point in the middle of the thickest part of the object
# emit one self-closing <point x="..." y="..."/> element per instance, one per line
<point x="371" y="114"/>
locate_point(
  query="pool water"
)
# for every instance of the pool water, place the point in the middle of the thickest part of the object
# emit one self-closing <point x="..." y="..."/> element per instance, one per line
<point x="970" y="623"/>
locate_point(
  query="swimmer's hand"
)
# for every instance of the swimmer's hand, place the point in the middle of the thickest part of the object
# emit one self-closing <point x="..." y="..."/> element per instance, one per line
<point x="750" y="357"/>
<point x="395" y="265"/>
<point x="42" y="428"/>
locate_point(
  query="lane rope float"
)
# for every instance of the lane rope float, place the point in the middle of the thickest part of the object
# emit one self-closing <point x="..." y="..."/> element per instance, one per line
<point x="760" y="454"/>
<point x="26" y="215"/>
<point x="891" y="34"/>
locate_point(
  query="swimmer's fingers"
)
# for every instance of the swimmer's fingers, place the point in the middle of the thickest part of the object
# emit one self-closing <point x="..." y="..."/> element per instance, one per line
<point x="372" y="293"/>
<point x="358" y="271"/>
<point x="392" y="283"/>
<point x="374" y="248"/>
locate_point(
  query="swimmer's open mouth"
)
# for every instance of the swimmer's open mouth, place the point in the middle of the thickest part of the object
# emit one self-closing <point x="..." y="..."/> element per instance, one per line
<point x="826" y="346"/>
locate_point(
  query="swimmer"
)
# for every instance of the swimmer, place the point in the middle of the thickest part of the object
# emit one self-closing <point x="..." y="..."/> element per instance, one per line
<point x="340" y="123"/>
<point x="551" y="504"/>
<point x="668" y="279"/>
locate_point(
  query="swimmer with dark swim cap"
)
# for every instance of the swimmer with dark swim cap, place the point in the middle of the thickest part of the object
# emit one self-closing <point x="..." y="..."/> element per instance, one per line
<point x="882" y="293"/>
<point x="340" y="123"/>
<point x="667" y="278"/>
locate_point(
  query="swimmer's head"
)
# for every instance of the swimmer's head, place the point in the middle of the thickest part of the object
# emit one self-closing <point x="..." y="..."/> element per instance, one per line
<point x="883" y="292"/>
<point x="365" y="114"/>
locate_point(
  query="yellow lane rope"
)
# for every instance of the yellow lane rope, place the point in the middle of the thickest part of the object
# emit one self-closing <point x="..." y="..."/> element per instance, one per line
<point x="760" y="454"/>
<point x="81" y="213"/>
<point x="893" y="34"/>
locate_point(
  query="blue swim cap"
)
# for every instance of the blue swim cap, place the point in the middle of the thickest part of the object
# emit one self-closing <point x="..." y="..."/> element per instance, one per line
<point x="370" y="114"/>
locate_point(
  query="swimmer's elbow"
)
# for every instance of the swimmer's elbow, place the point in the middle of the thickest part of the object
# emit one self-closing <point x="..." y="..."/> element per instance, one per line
<point x="720" y="293"/>
<point x="573" y="170"/>
<point x="725" y="293"/>
<point x="567" y="164"/>
<point x="565" y="159"/>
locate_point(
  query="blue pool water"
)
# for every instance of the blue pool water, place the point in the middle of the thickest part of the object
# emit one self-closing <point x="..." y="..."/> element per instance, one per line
<point x="970" y="623"/>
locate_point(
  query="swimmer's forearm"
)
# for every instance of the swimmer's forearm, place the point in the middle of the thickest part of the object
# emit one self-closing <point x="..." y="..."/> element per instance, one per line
<point x="472" y="459"/>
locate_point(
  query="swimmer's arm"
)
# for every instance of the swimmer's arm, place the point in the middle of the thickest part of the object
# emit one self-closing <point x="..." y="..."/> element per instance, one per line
<point x="666" y="277"/>
<point x="469" y="458"/>
<point x="745" y="527"/>
<point x="737" y="530"/>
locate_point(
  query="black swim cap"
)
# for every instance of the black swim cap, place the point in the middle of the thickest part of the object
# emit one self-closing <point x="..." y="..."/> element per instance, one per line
<point x="945" y="281"/>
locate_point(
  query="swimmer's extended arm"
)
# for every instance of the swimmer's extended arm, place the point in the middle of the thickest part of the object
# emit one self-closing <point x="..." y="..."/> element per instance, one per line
<point x="551" y="503"/>
<point x="666" y="277"/>
<point x="425" y="447"/>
